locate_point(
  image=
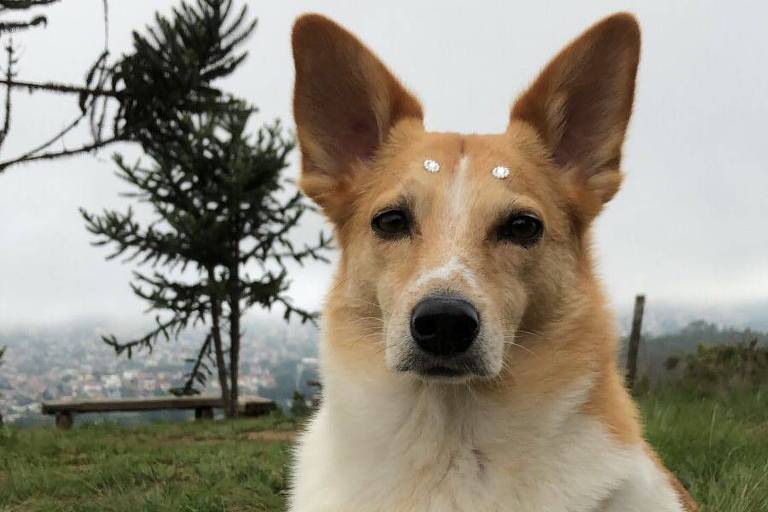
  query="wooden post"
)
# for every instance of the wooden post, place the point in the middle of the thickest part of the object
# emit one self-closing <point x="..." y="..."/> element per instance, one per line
<point x="203" y="413"/>
<point x="64" y="420"/>
<point x="634" y="341"/>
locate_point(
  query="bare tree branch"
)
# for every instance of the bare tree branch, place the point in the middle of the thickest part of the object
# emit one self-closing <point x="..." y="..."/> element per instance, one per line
<point x="199" y="372"/>
<point x="9" y="76"/>
<point x="24" y="4"/>
<point x="63" y="88"/>
<point x="55" y="138"/>
<point x="86" y="148"/>
<point x="15" y="26"/>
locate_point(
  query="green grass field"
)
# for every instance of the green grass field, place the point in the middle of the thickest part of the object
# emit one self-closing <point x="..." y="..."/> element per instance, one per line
<point x="718" y="446"/>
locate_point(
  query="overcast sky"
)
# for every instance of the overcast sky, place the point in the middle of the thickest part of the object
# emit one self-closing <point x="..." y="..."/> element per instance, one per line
<point x="688" y="226"/>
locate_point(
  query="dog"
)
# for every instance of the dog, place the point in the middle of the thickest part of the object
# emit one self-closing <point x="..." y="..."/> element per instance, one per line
<point x="468" y="354"/>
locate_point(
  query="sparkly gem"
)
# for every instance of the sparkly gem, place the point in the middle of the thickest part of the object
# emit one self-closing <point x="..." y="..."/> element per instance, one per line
<point x="431" y="166"/>
<point x="500" y="172"/>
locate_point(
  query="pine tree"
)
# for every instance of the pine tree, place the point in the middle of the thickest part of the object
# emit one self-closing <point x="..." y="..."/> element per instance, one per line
<point x="220" y="237"/>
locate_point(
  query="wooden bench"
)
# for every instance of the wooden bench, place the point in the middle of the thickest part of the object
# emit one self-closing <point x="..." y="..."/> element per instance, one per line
<point x="202" y="405"/>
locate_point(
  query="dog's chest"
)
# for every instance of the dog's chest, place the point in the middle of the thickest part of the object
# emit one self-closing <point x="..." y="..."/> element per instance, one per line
<point x="431" y="467"/>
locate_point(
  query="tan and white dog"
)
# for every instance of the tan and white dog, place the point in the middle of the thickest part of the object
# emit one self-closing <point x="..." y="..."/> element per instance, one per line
<point x="468" y="355"/>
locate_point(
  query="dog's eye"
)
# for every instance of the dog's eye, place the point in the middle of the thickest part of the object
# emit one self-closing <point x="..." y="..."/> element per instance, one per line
<point x="522" y="229"/>
<point x="392" y="223"/>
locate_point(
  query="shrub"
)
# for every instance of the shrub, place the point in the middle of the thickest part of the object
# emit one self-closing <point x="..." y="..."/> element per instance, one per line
<point x="726" y="366"/>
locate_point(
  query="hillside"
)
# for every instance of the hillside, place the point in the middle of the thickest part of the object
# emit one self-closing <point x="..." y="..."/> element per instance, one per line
<point x="656" y="349"/>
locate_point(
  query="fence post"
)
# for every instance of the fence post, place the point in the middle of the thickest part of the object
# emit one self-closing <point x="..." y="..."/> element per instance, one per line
<point x="634" y="341"/>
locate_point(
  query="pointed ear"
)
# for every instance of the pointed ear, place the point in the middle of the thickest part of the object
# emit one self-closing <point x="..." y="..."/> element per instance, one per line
<point x="345" y="103"/>
<point x="581" y="103"/>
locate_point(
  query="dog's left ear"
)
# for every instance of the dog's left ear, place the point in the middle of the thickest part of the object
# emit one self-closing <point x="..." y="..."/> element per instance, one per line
<point x="581" y="103"/>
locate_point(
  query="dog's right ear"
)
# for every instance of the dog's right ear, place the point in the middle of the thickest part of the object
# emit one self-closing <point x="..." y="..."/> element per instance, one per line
<point x="345" y="103"/>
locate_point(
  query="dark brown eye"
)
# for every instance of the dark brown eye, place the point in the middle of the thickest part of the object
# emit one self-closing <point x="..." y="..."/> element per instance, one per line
<point x="393" y="223"/>
<point x="521" y="228"/>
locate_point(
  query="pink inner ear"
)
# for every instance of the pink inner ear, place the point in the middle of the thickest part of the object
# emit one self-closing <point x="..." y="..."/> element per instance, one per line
<point x="362" y="138"/>
<point x="583" y="126"/>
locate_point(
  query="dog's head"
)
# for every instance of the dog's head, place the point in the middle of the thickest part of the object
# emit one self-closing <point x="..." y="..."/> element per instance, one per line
<point x="454" y="247"/>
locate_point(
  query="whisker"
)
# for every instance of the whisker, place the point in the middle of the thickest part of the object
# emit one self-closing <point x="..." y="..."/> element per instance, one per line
<point x="530" y="333"/>
<point x="376" y="318"/>
<point x="509" y="339"/>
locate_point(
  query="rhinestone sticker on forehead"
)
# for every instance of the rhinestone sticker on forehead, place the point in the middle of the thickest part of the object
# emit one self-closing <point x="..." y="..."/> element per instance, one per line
<point x="431" y="166"/>
<point x="500" y="172"/>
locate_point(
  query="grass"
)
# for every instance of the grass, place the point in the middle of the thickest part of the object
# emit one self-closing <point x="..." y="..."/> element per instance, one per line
<point x="211" y="466"/>
<point x="718" y="445"/>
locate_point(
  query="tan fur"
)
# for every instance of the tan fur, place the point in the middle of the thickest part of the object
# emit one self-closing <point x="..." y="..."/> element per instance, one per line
<point x="363" y="144"/>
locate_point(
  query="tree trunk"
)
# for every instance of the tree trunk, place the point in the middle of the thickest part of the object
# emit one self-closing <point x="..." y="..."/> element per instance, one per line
<point x="221" y="365"/>
<point x="234" y="336"/>
<point x="218" y="346"/>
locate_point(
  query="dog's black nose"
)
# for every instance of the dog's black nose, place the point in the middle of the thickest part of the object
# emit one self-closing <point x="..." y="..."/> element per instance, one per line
<point x="444" y="326"/>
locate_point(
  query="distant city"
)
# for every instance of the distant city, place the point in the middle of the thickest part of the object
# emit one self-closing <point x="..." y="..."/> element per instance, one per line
<point x="73" y="363"/>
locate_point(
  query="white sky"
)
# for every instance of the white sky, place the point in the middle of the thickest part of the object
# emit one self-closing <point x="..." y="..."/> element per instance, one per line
<point x="689" y="224"/>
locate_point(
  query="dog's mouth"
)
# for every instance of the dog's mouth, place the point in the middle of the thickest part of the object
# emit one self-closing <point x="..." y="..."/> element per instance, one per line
<point x="442" y="371"/>
<point x="452" y="369"/>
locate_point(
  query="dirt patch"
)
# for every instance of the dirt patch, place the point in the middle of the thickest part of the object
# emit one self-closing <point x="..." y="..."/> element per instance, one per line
<point x="272" y="435"/>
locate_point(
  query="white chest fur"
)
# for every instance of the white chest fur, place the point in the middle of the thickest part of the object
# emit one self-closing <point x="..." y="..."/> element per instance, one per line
<point x="444" y="449"/>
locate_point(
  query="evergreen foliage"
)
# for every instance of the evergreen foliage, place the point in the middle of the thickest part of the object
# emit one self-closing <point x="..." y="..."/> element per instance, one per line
<point x="219" y="241"/>
<point x="174" y="65"/>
